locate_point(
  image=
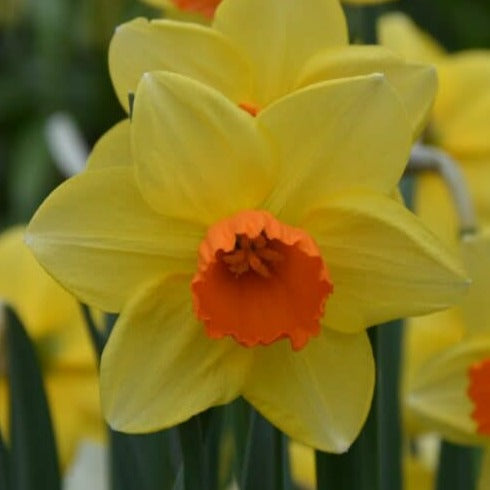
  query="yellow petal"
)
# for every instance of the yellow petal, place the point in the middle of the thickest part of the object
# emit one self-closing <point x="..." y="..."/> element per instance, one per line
<point x="336" y="136"/>
<point x="416" y="475"/>
<point x="41" y="303"/>
<point x="477" y="173"/>
<point x="423" y="338"/>
<point x="434" y="205"/>
<point x="437" y="395"/>
<point x="140" y="46"/>
<point x="475" y="306"/>
<point x="320" y="395"/>
<point x="197" y="155"/>
<point x="112" y="149"/>
<point x="399" y="33"/>
<point x="159" y="368"/>
<point x="302" y="460"/>
<point x="384" y="263"/>
<point x="4" y="404"/>
<point x="73" y="398"/>
<point x="97" y="236"/>
<point x="461" y="113"/>
<point x="278" y="37"/>
<point x="415" y="84"/>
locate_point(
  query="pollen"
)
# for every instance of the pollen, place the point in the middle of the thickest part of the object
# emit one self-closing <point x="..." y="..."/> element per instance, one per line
<point x="260" y="281"/>
<point x="479" y="393"/>
<point x="254" y="254"/>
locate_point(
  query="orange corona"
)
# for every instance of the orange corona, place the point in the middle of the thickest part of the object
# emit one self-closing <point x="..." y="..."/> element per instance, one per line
<point x="259" y="281"/>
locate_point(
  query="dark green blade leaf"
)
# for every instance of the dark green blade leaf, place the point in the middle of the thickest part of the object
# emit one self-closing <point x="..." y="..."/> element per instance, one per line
<point x="4" y="466"/>
<point x="33" y="461"/>
<point x="458" y="467"/>
<point x="266" y="462"/>
<point x="144" y="461"/>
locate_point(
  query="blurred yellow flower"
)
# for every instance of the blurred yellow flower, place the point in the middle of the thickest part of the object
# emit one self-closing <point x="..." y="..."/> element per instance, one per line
<point x="218" y="237"/>
<point x="53" y="321"/>
<point x="206" y="8"/>
<point x="448" y="385"/>
<point x="459" y="124"/>
<point x="438" y="384"/>
<point x="256" y="59"/>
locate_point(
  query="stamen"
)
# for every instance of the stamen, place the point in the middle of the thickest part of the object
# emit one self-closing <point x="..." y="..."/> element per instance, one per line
<point x="254" y="254"/>
<point x="260" y="281"/>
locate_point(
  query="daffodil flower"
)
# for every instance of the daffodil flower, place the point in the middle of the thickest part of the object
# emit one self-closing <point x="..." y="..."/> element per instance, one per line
<point x="459" y="124"/>
<point x="247" y="255"/>
<point x="53" y="320"/>
<point x="207" y="8"/>
<point x="447" y="387"/>
<point x="257" y="51"/>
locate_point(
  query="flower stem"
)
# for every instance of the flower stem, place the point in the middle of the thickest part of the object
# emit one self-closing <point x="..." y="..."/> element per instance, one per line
<point x="429" y="158"/>
<point x="193" y="453"/>
<point x="97" y="338"/>
<point x="266" y="462"/>
<point x="457" y="467"/>
<point x="389" y="429"/>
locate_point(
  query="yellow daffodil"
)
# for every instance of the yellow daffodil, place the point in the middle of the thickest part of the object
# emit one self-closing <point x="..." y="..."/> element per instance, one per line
<point x="459" y="124"/>
<point x="448" y="387"/>
<point x="53" y="320"/>
<point x="207" y="8"/>
<point x="204" y="8"/>
<point x="440" y="377"/>
<point x="256" y="59"/>
<point x="246" y="255"/>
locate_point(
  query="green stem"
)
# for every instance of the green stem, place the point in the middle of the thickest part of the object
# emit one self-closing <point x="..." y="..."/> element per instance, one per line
<point x="4" y="465"/>
<point x="193" y="453"/>
<point x="266" y="463"/>
<point x="281" y="463"/>
<point x="389" y="429"/>
<point x="458" y="467"/>
<point x="96" y="336"/>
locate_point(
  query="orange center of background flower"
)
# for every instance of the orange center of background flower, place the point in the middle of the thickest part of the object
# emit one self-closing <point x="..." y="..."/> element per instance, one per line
<point x="479" y="392"/>
<point x="252" y="109"/>
<point x="259" y="281"/>
<point x="204" y="7"/>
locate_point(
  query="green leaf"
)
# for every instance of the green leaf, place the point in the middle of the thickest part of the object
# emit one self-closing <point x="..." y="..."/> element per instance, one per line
<point x="4" y="465"/>
<point x="194" y="454"/>
<point x="388" y="380"/>
<point x="144" y="461"/>
<point x="33" y="461"/>
<point x="458" y="467"/>
<point x="266" y="462"/>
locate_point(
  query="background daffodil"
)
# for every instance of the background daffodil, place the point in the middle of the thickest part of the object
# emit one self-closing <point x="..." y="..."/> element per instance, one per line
<point x="447" y="360"/>
<point x="206" y="8"/>
<point x="53" y="320"/>
<point x="459" y="124"/>
<point x="302" y="240"/>
<point x="256" y="59"/>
